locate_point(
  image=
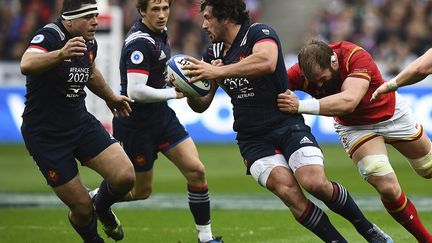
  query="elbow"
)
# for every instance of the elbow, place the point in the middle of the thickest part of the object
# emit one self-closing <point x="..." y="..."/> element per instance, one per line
<point x="269" y="67"/>
<point x="198" y="109"/>
<point x="133" y="94"/>
<point x="25" y="68"/>
<point x="196" y="105"/>
<point x="348" y="108"/>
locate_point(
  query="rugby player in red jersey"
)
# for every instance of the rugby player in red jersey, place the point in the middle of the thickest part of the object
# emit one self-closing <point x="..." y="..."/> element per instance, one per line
<point x="342" y="77"/>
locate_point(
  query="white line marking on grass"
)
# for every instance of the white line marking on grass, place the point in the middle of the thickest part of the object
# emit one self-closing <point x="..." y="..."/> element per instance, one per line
<point x="218" y="201"/>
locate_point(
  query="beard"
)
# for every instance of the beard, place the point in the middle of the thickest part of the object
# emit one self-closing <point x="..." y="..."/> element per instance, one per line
<point x="333" y="85"/>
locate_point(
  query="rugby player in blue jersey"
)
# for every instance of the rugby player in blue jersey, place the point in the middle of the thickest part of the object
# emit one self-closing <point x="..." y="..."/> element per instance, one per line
<point x="153" y="127"/>
<point x="57" y="128"/>
<point x="279" y="150"/>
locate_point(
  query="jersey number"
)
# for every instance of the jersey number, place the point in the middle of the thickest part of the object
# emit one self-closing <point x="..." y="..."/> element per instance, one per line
<point x="78" y="77"/>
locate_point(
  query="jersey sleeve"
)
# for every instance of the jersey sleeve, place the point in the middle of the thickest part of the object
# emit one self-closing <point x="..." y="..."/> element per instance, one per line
<point x="295" y="78"/>
<point x="138" y="57"/>
<point x="213" y="52"/>
<point x="46" y="40"/>
<point x="359" y="65"/>
<point x="261" y="32"/>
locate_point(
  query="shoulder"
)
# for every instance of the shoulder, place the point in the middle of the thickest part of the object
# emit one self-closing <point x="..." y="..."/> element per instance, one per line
<point x="261" y="28"/>
<point x="139" y="38"/>
<point x="259" y="31"/>
<point x="54" y="30"/>
<point x="50" y="33"/>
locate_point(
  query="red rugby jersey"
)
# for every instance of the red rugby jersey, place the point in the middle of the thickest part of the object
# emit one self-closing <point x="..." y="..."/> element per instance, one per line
<point x="354" y="61"/>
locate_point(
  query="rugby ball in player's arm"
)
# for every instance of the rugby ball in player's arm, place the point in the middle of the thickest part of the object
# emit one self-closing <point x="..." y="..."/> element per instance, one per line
<point x="177" y="77"/>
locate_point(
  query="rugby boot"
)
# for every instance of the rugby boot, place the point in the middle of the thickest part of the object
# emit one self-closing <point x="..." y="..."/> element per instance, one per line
<point x="110" y="223"/>
<point x="217" y="239"/>
<point x="376" y="235"/>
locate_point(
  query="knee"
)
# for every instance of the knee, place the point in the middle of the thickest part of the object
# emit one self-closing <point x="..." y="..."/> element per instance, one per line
<point x="124" y="179"/>
<point x="82" y="208"/>
<point x="423" y="165"/>
<point x="141" y="194"/>
<point x="388" y="189"/>
<point x="284" y="190"/>
<point x="374" y="165"/>
<point x="320" y="188"/>
<point x="196" y="173"/>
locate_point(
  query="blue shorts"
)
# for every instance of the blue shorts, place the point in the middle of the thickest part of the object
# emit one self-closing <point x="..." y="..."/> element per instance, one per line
<point x="143" y="144"/>
<point x="284" y="140"/>
<point x="54" y="152"/>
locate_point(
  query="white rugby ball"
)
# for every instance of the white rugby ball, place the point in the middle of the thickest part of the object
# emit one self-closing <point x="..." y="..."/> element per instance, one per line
<point x="181" y="81"/>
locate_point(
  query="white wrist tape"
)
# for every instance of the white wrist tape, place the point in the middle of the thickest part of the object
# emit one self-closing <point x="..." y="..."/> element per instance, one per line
<point x="309" y="106"/>
<point x="392" y="85"/>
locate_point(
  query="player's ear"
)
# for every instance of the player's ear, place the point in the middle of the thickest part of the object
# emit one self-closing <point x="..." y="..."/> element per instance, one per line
<point x="334" y="62"/>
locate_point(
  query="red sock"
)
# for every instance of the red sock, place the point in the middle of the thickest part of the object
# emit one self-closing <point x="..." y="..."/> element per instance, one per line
<point x="405" y="213"/>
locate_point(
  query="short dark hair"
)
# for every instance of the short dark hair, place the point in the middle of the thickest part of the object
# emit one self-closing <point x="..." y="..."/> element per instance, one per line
<point x="142" y="4"/>
<point x="71" y="5"/>
<point x="316" y="52"/>
<point x="228" y="9"/>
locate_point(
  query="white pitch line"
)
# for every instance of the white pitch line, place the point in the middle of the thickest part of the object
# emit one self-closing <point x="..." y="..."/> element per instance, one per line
<point x="218" y="201"/>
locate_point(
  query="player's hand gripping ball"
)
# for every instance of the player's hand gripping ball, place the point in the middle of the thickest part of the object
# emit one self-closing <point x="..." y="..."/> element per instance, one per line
<point x="181" y="82"/>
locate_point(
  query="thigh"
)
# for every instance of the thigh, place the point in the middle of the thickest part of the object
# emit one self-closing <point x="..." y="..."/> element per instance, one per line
<point x="185" y="156"/>
<point x="111" y="163"/>
<point x="255" y="148"/>
<point x="301" y="149"/>
<point x="139" y="145"/>
<point x="373" y="146"/>
<point x="414" y="149"/>
<point x="53" y="154"/>
<point x="93" y="140"/>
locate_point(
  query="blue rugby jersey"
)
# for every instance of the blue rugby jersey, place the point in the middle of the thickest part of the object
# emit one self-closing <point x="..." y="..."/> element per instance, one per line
<point x="55" y="98"/>
<point x="146" y="52"/>
<point x="254" y="99"/>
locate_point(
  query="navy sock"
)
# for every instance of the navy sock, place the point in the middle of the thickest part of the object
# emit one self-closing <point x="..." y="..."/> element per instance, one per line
<point x="315" y="220"/>
<point x="106" y="197"/>
<point x="343" y="204"/>
<point x="199" y="204"/>
<point x="88" y="232"/>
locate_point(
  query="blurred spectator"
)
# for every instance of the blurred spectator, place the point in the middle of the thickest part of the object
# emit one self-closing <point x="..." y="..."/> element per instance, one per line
<point x="394" y="31"/>
<point x="19" y="19"/>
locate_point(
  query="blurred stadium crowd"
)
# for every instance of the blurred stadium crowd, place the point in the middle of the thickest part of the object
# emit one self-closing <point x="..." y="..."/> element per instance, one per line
<point x="394" y="31"/>
<point x="19" y="19"/>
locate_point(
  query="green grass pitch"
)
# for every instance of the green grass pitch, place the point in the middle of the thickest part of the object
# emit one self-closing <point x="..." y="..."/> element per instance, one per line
<point x="226" y="175"/>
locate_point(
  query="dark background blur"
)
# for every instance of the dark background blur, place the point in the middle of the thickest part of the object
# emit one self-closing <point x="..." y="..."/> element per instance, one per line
<point x="395" y="32"/>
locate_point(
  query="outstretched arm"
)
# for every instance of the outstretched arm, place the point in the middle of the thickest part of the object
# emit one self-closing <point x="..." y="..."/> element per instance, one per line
<point x="413" y="73"/>
<point x="262" y="61"/>
<point x="345" y="102"/>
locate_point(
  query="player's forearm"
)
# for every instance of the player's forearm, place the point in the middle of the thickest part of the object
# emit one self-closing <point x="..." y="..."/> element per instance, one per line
<point x="255" y="65"/>
<point x="99" y="87"/>
<point x="416" y="71"/>
<point x="337" y="105"/>
<point x="201" y="104"/>
<point x="39" y="62"/>
<point x="146" y="94"/>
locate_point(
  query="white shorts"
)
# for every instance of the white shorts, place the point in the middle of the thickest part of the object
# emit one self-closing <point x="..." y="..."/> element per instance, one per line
<point x="401" y="126"/>
<point x="310" y="155"/>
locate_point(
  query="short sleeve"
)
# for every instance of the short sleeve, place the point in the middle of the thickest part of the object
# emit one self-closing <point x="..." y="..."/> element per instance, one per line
<point x="138" y="55"/>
